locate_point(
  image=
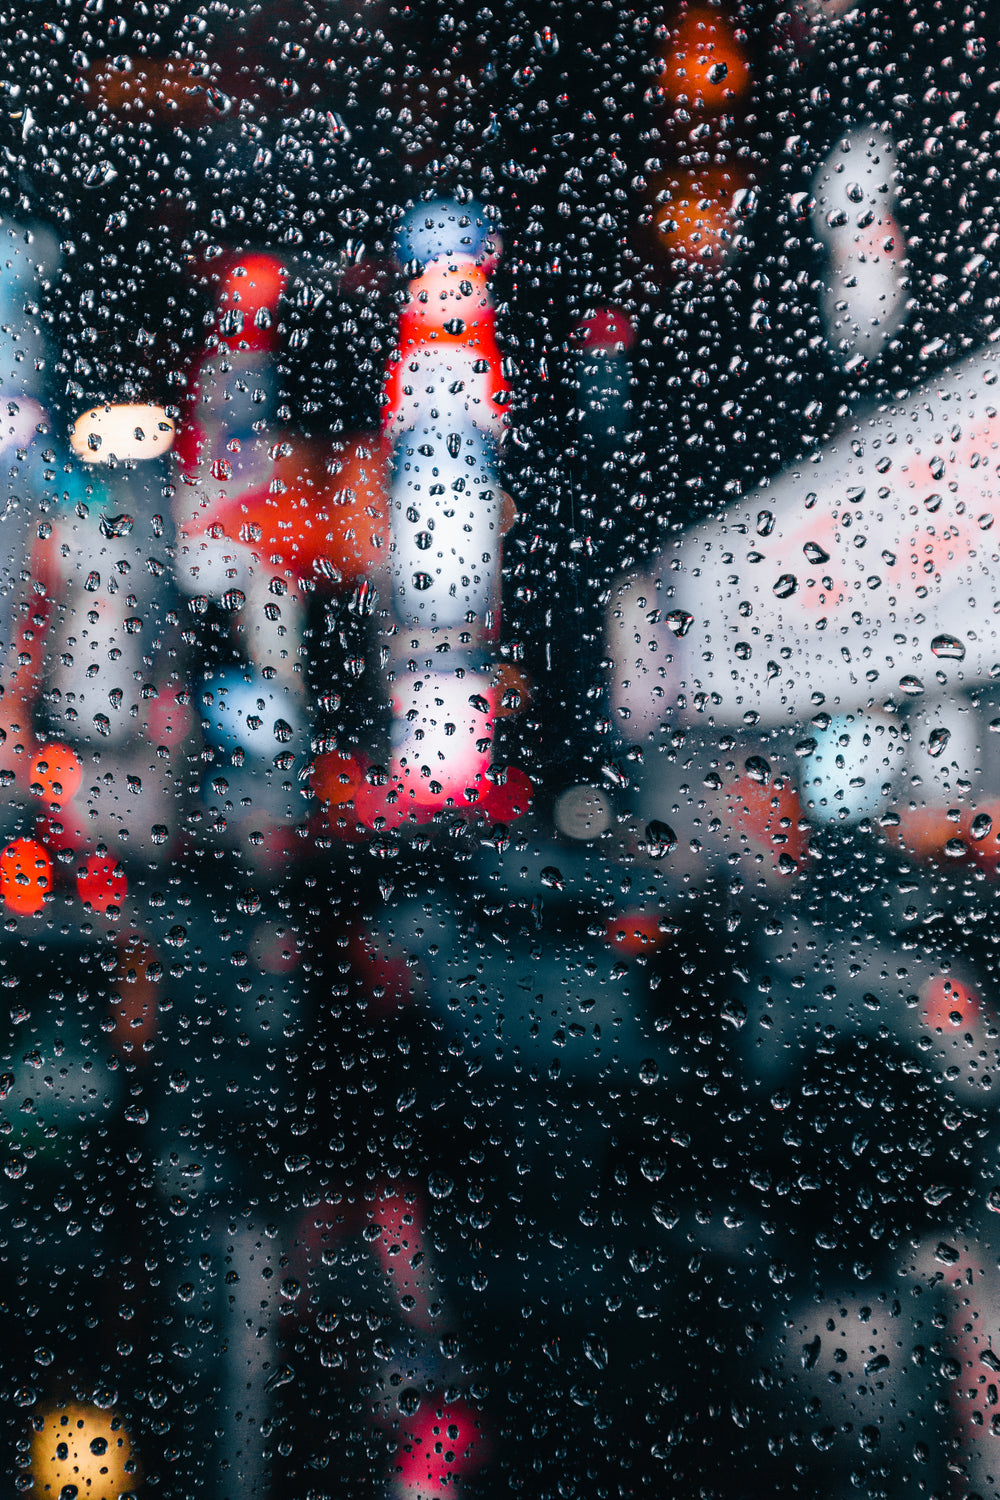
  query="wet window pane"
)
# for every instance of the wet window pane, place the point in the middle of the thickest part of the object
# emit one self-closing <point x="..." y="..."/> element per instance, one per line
<point x="499" y="778"/>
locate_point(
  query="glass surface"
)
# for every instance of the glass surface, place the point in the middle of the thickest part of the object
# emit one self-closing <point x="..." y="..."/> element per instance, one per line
<point x="499" y="777"/>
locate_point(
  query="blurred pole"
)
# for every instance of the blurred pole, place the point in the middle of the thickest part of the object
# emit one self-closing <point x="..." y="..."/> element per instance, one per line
<point x="249" y="1372"/>
<point x="444" y="407"/>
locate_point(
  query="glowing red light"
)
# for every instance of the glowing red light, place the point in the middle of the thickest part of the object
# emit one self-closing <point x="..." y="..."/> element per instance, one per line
<point x="25" y="876"/>
<point x="101" y="883"/>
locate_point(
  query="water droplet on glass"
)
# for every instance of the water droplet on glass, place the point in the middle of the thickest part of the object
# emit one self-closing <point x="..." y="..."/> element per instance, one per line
<point x="937" y="740"/>
<point x="282" y="1376"/>
<point x="758" y="769"/>
<point x="596" y="1352"/>
<point x="660" y="839"/>
<point x="113" y="526"/>
<point x="948" y="646"/>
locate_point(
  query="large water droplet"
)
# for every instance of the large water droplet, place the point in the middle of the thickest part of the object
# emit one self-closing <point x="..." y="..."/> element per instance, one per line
<point x="948" y="646"/>
<point x="660" y="839"/>
<point x="911" y="686"/>
<point x="112" y="526"/>
<point x="758" y="769"/>
<point x="937" y="740"/>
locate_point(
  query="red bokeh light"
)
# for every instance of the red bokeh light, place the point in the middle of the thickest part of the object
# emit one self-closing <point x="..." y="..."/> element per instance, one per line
<point x="25" y="876"/>
<point x="101" y="883"/>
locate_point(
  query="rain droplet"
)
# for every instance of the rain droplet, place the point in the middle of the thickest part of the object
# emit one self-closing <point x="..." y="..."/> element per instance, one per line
<point x="815" y="554"/>
<point x="948" y="646"/>
<point x="112" y="526"/>
<point x="937" y="740"/>
<point x="786" y="586"/>
<point x="283" y="1376"/>
<point x="981" y="825"/>
<point x="758" y="769"/>
<point x="679" y="621"/>
<point x="596" y="1352"/>
<point x="660" y="839"/>
<point x="439" y="1186"/>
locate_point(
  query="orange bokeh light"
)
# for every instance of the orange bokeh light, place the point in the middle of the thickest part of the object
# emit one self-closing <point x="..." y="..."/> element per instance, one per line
<point x="706" y="65"/>
<point x="770" y="818"/>
<point x="25" y="876"/>
<point x="323" y="509"/>
<point x="57" y="770"/>
<point x="695" y="219"/>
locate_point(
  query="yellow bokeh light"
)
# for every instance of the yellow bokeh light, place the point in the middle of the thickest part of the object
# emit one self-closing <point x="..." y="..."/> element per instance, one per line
<point x="84" y="1448"/>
